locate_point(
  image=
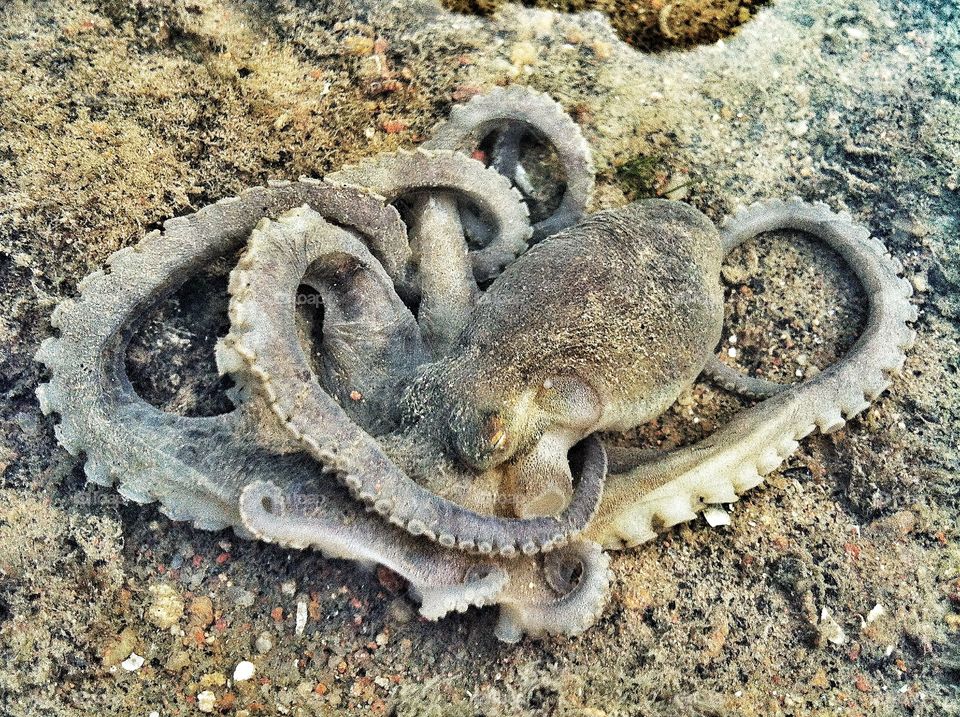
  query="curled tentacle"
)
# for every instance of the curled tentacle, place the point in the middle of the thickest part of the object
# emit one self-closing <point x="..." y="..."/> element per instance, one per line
<point x="261" y="313"/>
<point x="193" y="466"/>
<point x="325" y="518"/>
<point x="403" y="174"/>
<point x="579" y="577"/>
<point x="650" y="491"/>
<point x="513" y="112"/>
<point x="371" y="343"/>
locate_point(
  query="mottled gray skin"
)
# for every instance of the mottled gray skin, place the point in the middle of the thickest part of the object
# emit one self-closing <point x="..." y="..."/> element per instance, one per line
<point x="598" y="328"/>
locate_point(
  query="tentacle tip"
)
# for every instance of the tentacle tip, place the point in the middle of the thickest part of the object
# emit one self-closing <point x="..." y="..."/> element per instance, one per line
<point x="508" y="628"/>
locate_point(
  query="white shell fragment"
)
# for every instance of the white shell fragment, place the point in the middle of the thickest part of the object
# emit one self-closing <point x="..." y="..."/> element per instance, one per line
<point x="243" y="671"/>
<point x="301" y="623"/>
<point x="875" y="613"/>
<point x="830" y="629"/>
<point x="206" y="701"/>
<point x="132" y="663"/>
<point x="716" y="516"/>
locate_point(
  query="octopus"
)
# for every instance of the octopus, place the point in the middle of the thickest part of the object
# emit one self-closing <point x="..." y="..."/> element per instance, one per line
<point x="479" y="333"/>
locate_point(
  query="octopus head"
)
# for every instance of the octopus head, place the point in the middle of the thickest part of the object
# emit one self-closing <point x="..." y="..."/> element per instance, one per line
<point x="514" y="441"/>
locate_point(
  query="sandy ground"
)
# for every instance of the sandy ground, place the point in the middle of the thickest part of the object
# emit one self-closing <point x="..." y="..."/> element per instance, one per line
<point x="118" y="114"/>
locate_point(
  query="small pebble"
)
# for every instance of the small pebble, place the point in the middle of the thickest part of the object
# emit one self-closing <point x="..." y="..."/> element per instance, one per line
<point x="243" y="597"/>
<point x="178" y="661"/>
<point x="206" y="701"/>
<point x="523" y="53"/>
<point x="167" y="606"/>
<point x="264" y="643"/>
<point x="400" y="610"/>
<point x="116" y="650"/>
<point x="830" y="629"/>
<point x="201" y="610"/>
<point x="288" y="587"/>
<point x="213" y="679"/>
<point x="301" y="623"/>
<point x="732" y="352"/>
<point x="390" y="581"/>
<point x="716" y="516"/>
<point x="243" y="671"/>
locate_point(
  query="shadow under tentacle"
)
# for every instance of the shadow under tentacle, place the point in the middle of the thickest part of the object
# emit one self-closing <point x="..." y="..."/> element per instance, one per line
<point x="647" y="491"/>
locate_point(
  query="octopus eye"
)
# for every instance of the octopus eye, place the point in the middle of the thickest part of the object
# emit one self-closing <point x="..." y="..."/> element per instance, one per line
<point x="496" y="433"/>
<point x="482" y="444"/>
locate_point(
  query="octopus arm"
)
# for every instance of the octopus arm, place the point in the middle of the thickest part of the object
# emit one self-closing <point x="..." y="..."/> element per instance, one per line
<point x="510" y="113"/>
<point x="731" y="379"/>
<point x="370" y="340"/>
<point x="404" y="174"/>
<point x="447" y="287"/>
<point x="534" y="593"/>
